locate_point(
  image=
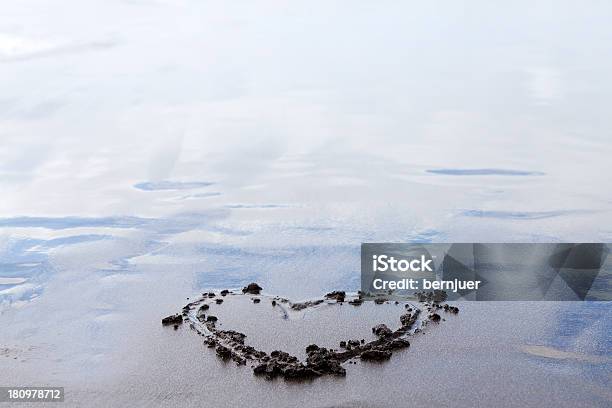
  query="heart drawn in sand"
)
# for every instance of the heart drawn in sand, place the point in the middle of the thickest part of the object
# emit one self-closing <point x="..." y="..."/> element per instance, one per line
<point x="232" y="345"/>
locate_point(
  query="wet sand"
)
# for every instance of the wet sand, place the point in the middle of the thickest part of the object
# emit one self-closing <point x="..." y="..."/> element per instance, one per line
<point x="452" y="365"/>
<point x="477" y="358"/>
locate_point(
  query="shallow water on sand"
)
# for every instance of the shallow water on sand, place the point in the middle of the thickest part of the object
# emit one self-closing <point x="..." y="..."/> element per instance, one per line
<point x="151" y="150"/>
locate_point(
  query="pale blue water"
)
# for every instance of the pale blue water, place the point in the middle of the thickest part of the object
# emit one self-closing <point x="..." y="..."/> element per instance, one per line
<point x="150" y="150"/>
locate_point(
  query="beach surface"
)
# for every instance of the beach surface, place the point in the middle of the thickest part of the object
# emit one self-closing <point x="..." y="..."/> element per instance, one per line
<point x="152" y="150"/>
<point x="490" y="354"/>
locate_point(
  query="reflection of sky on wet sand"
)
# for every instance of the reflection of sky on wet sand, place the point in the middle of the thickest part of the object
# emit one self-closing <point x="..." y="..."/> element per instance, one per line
<point x="149" y="149"/>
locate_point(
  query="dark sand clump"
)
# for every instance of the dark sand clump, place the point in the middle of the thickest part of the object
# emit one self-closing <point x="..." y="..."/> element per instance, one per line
<point x="174" y="319"/>
<point x="252" y="288"/>
<point x="230" y="344"/>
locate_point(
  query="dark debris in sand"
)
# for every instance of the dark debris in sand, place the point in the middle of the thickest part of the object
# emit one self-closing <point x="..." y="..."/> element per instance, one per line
<point x="252" y="288"/>
<point x="172" y="320"/>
